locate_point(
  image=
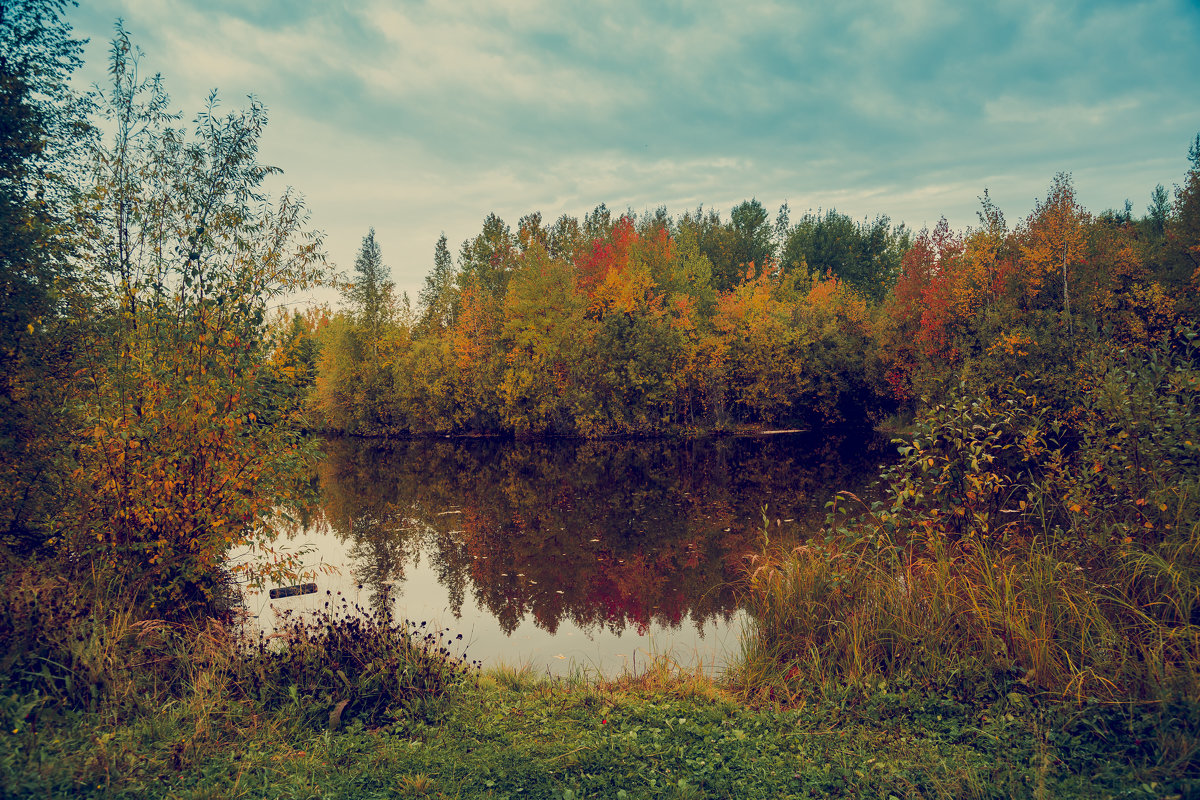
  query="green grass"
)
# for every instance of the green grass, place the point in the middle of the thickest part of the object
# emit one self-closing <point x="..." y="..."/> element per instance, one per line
<point x="497" y="734"/>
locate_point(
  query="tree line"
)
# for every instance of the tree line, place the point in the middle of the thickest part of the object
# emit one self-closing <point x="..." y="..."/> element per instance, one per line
<point x="651" y="324"/>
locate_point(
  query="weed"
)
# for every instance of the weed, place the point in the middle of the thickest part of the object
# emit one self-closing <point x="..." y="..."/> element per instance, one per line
<point x="349" y="663"/>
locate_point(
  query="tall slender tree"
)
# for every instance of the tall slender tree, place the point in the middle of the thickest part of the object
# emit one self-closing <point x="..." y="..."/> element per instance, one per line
<point x="435" y="303"/>
<point x="370" y="294"/>
<point x="1054" y="239"/>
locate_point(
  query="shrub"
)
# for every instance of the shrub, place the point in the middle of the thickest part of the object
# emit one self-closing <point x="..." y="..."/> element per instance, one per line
<point x="346" y="663"/>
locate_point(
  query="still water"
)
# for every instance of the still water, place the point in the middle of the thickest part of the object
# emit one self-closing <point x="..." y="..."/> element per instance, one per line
<point x="567" y="555"/>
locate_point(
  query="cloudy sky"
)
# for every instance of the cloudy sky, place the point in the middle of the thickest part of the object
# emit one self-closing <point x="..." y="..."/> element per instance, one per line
<point x="418" y="118"/>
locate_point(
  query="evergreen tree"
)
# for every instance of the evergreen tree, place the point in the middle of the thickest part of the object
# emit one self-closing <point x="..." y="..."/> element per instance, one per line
<point x="1158" y="210"/>
<point x="371" y="293"/>
<point x="1182" y="255"/>
<point x="436" y="301"/>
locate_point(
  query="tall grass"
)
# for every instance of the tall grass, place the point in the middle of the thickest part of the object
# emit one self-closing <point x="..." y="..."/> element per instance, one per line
<point x="68" y="647"/>
<point x="1056" y="546"/>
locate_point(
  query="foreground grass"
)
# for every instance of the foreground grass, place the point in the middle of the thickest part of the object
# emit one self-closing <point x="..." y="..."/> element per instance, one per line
<point x="503" y="734"/>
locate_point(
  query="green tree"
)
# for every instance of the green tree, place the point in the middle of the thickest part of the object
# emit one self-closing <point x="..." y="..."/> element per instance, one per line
<point x="866" y="255"/>
<point x="718" y="242"/>
<point x="370" y="294"/>
<point x="1182" y="253"/>
<point x="436" y="301"/>
<point x="566" y="238"/>
<point x="752" y="234"/>
<point x="42" y="127"/>
<point x="488" y="258"/>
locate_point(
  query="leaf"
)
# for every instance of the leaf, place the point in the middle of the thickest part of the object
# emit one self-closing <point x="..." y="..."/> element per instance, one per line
<point x="335" y="715"/>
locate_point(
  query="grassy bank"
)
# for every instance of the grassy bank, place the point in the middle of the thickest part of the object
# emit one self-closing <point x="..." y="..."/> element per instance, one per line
<point x="503" y="734"/>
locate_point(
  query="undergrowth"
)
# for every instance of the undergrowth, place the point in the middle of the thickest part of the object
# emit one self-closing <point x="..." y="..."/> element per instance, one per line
<point x="1024" y="549"/>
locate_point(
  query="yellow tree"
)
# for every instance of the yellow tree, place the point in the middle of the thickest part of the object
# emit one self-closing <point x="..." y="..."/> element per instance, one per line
<point x="983" y="249"/>
<point x="763" y="373"/>
<point x="1053" y="240"/>
<point x="188" y="444"/>
<point x="544" y="334"/>
<point x="475" y="358"/>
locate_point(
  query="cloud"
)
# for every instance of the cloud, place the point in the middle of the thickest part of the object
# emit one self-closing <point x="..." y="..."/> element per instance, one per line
<point x="425" y="115"/>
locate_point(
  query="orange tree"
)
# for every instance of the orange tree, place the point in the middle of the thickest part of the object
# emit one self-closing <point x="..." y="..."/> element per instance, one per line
<point x="187" y="444"/>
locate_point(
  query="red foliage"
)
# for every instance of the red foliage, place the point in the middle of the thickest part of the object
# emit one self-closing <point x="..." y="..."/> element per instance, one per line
<point x="925" y="290"/>
<point x="607" y="256"/>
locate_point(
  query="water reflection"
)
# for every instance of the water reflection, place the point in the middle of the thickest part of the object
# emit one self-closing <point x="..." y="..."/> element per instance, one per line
<point x="608" y="536"/>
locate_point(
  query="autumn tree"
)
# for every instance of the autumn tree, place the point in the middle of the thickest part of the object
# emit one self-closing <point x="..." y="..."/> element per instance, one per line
<point x="757" y="348"/>
<point x="531" y="232"/>
<point x="1052" y="241"/>
<point x="545" y="336"/>
<point x="919" y="339"/>
<point x="475" y="360"/>
<point x="175" y="465"/>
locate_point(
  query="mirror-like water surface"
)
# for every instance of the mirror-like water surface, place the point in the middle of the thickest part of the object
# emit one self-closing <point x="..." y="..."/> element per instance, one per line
<point x="568" y="554"/>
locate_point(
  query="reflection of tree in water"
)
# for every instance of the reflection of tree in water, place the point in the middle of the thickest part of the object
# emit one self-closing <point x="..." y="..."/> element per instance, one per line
<point x="368" y="500"/>
<point x="612" y="534"/>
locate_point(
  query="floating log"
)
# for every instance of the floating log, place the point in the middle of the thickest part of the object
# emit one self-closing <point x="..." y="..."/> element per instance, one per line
<point x="292" y="591"/>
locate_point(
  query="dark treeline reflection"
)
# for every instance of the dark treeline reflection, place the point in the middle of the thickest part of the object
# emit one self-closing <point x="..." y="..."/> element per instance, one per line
<point x="618" y="534"/>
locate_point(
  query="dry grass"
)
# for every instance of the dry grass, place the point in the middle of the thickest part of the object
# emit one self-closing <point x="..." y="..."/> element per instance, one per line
<point x="825" y="614"/>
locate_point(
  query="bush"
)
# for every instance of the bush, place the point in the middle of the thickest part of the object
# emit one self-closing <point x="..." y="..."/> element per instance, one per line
<point x="347" y="663"/>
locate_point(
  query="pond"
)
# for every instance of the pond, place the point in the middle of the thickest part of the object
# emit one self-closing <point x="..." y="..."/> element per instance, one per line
<point x="565" y="555"/>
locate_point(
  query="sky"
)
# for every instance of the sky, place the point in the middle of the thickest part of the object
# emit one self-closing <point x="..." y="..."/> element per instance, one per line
<point x="421" y="118"/>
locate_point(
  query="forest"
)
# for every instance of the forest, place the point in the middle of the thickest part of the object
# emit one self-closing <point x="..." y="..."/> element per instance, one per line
<point x="1021" y="605"/>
